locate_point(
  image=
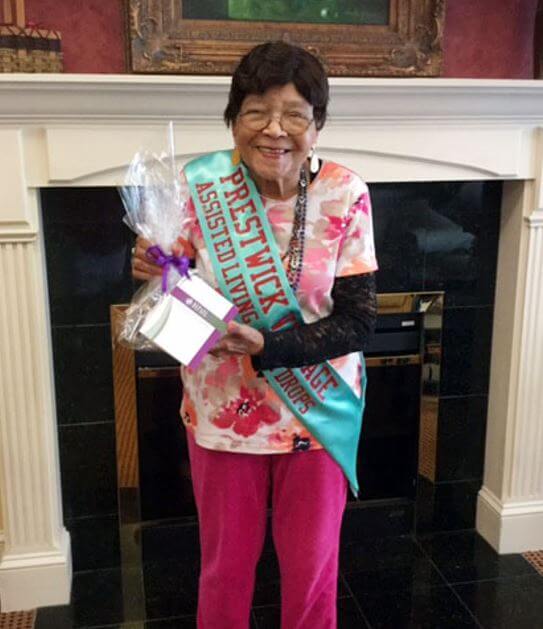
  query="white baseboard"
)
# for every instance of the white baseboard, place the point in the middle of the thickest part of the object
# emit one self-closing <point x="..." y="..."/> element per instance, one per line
<point x="512" y="527"/>
<point x="39" y="579"/>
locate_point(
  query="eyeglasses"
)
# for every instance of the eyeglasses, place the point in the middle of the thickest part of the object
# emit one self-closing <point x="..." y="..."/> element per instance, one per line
<point x="292" y="122"/>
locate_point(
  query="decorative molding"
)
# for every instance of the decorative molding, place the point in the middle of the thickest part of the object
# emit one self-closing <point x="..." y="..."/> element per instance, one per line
<point x="31" y="580"/>
<point x="535" y="220"/>
<point x="538" y="200"/>
<point x="382" y="152"/>
<point x="122" y="99"/>
<point x="510" y="505"/>
<point x="10" y="232"/>
<point x="21" y="401"/>
<point x="408" y="43"/>
<point x="525" y="476"/>
<point x="16" y="223"/>
<point x="511" y="527"/>
<point x="35" y="540"/>
<point x="492" y="153"/>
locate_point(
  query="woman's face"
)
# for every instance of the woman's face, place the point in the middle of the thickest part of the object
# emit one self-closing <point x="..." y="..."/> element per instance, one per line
<point x="274" y="156"/>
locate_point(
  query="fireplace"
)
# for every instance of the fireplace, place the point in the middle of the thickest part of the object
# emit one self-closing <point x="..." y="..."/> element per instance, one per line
<point x="403" y="363"/>
<point x="429" y="236"/>
<point x="81" y="131"/>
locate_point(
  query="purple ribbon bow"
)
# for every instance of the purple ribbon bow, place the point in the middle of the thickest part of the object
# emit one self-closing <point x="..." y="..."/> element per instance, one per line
<point x="157" y="256"/>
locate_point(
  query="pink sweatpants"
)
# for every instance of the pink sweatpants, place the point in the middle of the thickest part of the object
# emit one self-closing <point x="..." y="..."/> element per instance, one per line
<point x="309" y="494"/>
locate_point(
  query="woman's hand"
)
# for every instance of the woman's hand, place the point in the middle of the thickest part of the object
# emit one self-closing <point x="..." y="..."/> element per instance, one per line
<point x="142" y="267"/>
<point x="239" y="339"/>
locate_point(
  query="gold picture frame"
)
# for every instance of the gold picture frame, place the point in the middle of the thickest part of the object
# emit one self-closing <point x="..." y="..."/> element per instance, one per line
<point x="162" y="41"/>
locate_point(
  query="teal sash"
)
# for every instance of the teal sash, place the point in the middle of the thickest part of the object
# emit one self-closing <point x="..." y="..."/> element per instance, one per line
<point x="249" y="271"/>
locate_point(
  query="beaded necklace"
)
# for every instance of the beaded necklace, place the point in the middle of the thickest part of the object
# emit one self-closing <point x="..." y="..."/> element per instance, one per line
<point x="296" y="245"/>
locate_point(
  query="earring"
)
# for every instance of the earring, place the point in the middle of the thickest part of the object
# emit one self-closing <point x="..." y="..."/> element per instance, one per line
<point x="313" y="160"/>
<point x="236" y="157"/>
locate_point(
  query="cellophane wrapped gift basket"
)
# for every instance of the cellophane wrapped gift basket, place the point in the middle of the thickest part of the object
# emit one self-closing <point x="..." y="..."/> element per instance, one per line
<point x="178" y="312"/>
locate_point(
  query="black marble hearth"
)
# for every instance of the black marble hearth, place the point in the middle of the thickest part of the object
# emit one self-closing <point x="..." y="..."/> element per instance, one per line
<point x="439" y="581"/>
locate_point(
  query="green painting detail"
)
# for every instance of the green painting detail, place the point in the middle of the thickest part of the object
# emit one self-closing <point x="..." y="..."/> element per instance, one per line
<point x="357" y="12"/>
<point x="315" y="12"/>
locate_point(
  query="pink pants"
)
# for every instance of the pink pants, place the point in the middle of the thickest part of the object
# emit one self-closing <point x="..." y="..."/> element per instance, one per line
<point x="309" y="494"/>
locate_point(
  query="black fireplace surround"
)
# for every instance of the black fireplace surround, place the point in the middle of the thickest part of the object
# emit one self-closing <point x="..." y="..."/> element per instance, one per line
<point x="435" y="236"/>
<point x="400" y="351"/>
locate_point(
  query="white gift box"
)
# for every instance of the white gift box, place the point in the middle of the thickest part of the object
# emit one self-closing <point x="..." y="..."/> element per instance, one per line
<point x="189" y="320"/>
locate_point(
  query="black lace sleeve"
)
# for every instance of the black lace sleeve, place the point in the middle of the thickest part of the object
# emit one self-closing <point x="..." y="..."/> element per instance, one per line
<point x="347" y="329"/>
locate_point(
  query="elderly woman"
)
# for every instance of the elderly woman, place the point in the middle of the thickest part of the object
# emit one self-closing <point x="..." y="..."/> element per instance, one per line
<point x="275" y="410"/>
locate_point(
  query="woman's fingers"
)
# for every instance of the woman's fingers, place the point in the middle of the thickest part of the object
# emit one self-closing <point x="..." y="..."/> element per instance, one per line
<point x="240" y="339"/>
<point x="235" y="328"/>
<point x="227" y="345"/>
<point x="143" y="242"/>
<point x="144" y="270"/>
<point x="140" y="247"/>
<point x="142" y="267"/>
<point x="249" y="337"/>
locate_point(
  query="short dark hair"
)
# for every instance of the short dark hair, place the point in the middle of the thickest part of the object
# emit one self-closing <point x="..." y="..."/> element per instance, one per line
<point x="275" y="64"/>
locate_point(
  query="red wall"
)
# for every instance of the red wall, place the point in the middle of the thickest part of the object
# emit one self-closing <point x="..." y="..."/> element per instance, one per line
<point x="92" y="32"/>
<point x="489" y="38"/>
<point x="482" y="39"/>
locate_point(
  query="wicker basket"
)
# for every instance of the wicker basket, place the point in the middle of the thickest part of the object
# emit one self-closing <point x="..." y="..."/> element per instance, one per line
<point x="27" y="48"/>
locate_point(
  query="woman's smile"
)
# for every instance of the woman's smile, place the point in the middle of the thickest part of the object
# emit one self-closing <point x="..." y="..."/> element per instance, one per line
<point x="269" y="151"/>
<point x="272" y="153"/>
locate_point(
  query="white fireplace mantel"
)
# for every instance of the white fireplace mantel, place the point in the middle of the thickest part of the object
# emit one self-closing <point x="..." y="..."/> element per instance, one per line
<point x="82" y="130"/>
<point x="99" y="97"/>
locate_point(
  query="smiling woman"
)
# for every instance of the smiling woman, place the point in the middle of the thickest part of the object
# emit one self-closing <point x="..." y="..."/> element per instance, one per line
<point x="276" y="107"/>
<point x="289" y="239"/>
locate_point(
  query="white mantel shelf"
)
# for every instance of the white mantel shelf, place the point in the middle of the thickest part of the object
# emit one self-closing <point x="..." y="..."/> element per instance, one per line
<point x="82" y="130"/>
<point x="36" y="97"/>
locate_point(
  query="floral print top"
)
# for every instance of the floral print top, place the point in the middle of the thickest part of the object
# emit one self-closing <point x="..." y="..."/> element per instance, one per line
<point x="225" y="404"/>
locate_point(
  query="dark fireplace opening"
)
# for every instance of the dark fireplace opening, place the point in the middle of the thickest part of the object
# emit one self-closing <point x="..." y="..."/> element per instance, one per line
<point x="407" y="338"/>
<point x="431" y="237"/>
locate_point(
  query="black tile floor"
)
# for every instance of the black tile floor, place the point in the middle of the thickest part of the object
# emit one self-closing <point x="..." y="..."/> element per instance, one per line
<point x="439" y="581"/>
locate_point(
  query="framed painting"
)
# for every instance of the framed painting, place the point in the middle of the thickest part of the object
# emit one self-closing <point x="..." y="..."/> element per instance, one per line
<point x="352" y="37"/>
